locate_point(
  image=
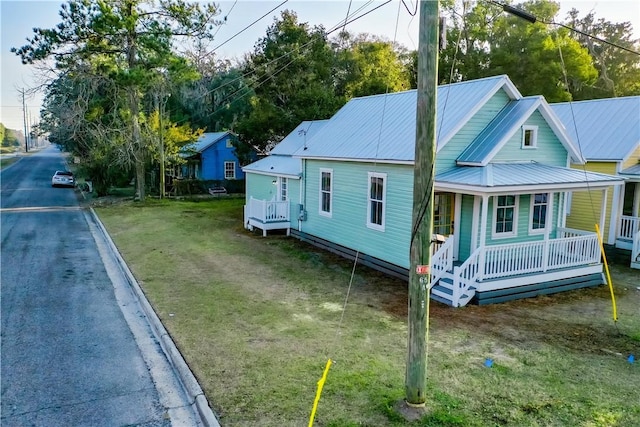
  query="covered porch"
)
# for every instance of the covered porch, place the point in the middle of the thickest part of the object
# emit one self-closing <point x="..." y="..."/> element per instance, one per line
<point x="628" y="225"/>
<point x="513" y="241"/>
<point x="267" y="215"/>
<point x="499" y="273"/>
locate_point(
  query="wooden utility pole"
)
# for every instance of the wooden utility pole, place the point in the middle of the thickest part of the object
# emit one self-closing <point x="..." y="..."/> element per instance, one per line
<point x="24" y="123"/>
<point x="422" y="229"/>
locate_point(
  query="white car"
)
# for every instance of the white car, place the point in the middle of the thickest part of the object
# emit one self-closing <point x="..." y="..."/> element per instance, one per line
<point x="63" y="178"/>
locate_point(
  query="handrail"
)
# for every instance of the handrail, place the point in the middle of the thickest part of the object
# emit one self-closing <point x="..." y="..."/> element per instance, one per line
<point x="268" y="211"/>
<point x="465" y="275"/>
<point x="441" y="260"/>
<point x="628" y="227"/>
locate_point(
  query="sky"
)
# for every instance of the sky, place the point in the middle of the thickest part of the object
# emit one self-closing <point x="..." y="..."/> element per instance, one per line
<point x="391" y="21"/>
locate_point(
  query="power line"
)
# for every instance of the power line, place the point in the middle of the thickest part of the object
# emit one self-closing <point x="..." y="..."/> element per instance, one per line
<point x="248" y="26"/>
<point x="533" y="19"/>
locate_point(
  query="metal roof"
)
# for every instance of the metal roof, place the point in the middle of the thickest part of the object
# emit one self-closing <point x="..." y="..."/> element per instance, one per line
<point x="276" y="165"/>
<point x="383" y="127"/>
<point x="297" y="138"/>
<point x="607" y="129"/>
<point x="206" y="140"/>
<point x="501" y="128"/>
<point x="514" y="177"/>
<point x="633" y="170"/>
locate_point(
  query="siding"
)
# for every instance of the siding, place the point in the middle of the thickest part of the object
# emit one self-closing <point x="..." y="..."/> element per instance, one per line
<point x="585" y="205"/>
<point x="260" y="187"/>
<point x="549" y="150"/>
<point x="213" y="159"/>
<point x="524" y="211"/>
<point x="348" y="223"/>
<point x="466" y="222"/>
<point x="446" y="157"/>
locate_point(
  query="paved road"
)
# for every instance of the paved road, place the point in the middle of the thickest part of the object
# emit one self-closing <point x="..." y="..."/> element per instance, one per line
<point x="76" y="348"/>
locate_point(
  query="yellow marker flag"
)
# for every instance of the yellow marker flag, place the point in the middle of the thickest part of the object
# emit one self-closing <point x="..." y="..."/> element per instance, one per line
<point x="319" y="392"/>
<point x="606" y="268"/>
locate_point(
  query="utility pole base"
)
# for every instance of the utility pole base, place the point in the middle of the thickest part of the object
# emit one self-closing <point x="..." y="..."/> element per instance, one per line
<point x="409" y="411"/>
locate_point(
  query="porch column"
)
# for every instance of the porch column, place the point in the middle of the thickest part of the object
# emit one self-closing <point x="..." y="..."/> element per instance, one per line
<point x="636" y="200"/>
<point x="603" y="210"/>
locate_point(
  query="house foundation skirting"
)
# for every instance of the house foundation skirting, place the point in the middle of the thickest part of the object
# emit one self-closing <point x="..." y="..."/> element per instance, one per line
<point x="348" y="253"/>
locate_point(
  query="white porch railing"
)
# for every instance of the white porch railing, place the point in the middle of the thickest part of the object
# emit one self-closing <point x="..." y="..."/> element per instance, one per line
<point x="635" y="252"/>
<point x="629" y="227"/>
<point x="572" y="249"/>
<point x="267" y="212"/>
<point x="441" y="260"/>
<point x="535" y="257"/>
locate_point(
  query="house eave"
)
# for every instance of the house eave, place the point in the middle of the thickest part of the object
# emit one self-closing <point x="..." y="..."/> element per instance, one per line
<point x="523" y="189"/>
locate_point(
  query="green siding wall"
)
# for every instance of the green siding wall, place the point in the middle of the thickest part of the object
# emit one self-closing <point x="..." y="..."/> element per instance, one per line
<point x="446" y="157"/>
<point x="260" y="186"/>
<point x="466" y="222"/>
<point x="524" y="210"/>
<point x="348" y="224"/>
<point x="549" y="150"/>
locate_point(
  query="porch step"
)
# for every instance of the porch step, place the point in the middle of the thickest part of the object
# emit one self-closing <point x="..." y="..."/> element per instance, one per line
<point x="544" y="288"/>
<point x="443" y="292"/>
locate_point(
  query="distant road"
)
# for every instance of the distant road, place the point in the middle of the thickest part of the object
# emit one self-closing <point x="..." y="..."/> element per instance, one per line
<point x="71" y="340"/>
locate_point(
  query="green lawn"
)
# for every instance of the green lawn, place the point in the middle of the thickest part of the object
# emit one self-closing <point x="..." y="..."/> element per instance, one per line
<point x="257" y="318"/>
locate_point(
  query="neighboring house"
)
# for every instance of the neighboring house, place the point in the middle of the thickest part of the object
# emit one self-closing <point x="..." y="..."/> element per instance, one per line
<point x="607" y="132"/>
<point x="501" y="182"/>
<point x="212" y="158"/>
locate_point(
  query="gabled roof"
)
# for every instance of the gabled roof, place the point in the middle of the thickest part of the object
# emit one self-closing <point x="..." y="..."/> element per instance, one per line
<point x="508" y="121"/>
<point x="377" y="127"/>
<point x="607" y="129"/>
<point x="276" y="165"/>
<point x="206" y="140"/>
<point x="522" y="177"/>
<point x="298" y="137"/>
<point x="279" y="162"/>
<point x="633" y="170"/>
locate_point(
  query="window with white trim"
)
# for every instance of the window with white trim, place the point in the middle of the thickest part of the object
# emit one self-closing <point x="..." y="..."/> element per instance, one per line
<point x="229" y="143"/>
<point x="376" y="200"/>
<point x="505" y="215"/>
<point x="326" y="191"/>
<point x="229" y="170"/>
<point x="529" y="136"/>
<point x="538" y="212"/>
<point x="284" y="188"/>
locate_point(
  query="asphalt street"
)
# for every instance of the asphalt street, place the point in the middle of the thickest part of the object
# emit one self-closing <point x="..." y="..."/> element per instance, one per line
<point x="76" y="347"/>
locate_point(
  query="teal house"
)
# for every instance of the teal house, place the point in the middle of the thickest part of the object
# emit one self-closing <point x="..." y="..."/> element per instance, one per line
<point x="502" y="179"/>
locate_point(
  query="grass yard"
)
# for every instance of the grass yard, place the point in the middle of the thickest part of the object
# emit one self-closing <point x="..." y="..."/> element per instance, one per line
<point x="257" y="318"/>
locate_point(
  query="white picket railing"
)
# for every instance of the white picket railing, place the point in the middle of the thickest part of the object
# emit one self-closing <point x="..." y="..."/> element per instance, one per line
<point x="268" y="211"/>
<point x="537" y="257"/>
<point x="466" y="276"/>
<point x="635" y="252"/>
<point x="629" y="227"/>
<point x="441" y="259"/>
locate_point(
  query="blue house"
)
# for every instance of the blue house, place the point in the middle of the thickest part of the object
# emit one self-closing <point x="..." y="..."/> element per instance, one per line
<point x="502" y="180"/>
<point x="212" y="158"/>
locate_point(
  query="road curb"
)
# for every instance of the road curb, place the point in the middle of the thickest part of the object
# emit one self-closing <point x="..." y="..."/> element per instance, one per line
<point x="187" y="379"/>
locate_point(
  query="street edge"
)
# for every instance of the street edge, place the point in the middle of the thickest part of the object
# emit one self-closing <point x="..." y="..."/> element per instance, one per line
<point x="188" y="380"/>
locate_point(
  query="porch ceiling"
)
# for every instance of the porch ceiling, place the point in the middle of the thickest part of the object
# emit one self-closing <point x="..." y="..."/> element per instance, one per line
<point x="515" y="178"/>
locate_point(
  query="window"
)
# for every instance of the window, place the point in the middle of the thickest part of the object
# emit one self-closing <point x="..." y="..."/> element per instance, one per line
<point x="538" y="218"/>
<point x="505" y="216"/>
<point x="376" y="201"/>
<point x="284" y="184"/>
<point x="326" y="191"/>
<point x="529" y="136"/>
<point x="229" y="143"/>
<point x="229" y="170"/>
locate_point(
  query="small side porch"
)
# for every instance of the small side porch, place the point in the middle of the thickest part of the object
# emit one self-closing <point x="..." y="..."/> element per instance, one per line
<point x="267" y="215"/>
<point x="628" y="237"/>
<point x="500" y="273"/>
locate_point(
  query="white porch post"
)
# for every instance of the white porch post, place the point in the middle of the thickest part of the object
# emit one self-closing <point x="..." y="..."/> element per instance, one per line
<point x="603" y="209"/>
<point x="474" y="224"/>
<point x="636" y="200"/>
<point x="483" y="233"/>
<point x="547" y="229"/>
